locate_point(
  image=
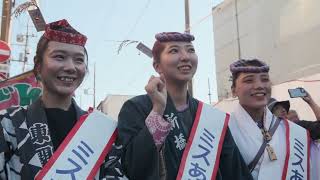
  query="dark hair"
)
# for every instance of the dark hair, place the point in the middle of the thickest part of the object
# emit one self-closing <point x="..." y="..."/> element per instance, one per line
<point x="157" y="49"/>
<point x="245" y="63"/>
<point x="43" y="45"/>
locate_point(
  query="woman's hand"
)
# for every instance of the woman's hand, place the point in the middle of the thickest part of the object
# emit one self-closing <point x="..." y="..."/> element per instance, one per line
<point x="156" y="89"/>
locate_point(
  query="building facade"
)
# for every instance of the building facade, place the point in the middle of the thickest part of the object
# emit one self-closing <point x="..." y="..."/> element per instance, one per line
<point x="283" y="33"/>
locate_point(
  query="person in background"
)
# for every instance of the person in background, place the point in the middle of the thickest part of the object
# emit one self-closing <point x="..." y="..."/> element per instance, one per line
<point x="279" y="108"/>
<point x="293" y="115"/>
<point x="266" y="142"/>
<point x="282" y="109"/>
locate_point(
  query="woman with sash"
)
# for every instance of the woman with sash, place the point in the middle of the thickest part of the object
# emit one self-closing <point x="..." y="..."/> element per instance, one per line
<point x="272" y="147"/>
<point x="30" y="135"/>
<point x="154" y="128"/>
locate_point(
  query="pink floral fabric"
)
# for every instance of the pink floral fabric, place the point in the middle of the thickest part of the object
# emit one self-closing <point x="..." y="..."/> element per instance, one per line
<point x="158" y="127"/>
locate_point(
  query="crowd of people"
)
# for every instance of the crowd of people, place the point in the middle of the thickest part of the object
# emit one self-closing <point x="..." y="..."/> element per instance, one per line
<point x="164" y="134"/>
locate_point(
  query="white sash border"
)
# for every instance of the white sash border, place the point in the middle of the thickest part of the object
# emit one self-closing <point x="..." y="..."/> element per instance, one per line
<point x="94" y="134"/>
<point x="209" y="123"/>
<point x="298" y="149"/>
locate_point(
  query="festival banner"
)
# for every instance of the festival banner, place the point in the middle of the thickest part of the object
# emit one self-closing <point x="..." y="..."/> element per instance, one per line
<point x="20" y="90"/>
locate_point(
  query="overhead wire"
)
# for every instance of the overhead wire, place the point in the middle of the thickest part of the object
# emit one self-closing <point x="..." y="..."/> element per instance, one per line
<point x="139" y="18"/>
<point x="198" y="22"/>
<point x="126" y="39"/>
<point x="142" y="12"/>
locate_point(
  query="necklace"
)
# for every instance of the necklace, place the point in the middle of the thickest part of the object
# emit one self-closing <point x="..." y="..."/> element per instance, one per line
<point x="267" y="136"/>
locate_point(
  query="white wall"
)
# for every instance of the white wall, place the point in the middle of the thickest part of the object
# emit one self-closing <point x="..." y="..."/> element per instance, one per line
<point x="112" y="104"/>
<point x="283" y="33"/>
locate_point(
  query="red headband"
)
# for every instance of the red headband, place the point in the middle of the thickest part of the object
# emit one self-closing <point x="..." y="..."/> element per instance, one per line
<point x="65" y="37"/>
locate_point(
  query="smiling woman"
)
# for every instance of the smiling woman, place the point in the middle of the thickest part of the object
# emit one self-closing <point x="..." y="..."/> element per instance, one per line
<point x="30" y="135"/>
<point x="61" y="71"/>
<point x="251" y="84"/>
<point x="266" y="142"/>
<point x="154" y="129"/>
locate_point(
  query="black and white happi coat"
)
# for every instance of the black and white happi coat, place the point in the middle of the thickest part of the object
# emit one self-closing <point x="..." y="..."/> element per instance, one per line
<point x="25" y="141"/>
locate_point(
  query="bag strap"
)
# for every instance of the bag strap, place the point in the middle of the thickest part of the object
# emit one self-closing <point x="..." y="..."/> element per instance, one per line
<point x="255" y="160"/>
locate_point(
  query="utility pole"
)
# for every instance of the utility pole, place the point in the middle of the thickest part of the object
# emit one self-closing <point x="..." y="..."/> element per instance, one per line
<point x="86" y="91"/>
<point x="237" y="26"/>
<point x="94" y="85"/>
<point x="5" y="29"/>
<point x="25" y="58"/>
<point x="24" y="40"/>
<point x="187" y="30"/>
<point x="26" y="48"/>
<point x="209" y="94"/>
<point x="5" y="20"/>
<point x="187" y="16"/>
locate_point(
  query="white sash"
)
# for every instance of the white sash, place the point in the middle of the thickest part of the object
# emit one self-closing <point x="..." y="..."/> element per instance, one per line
<point x="83" y="150"/>
<point x="202" y="153"/>
<point x="297" y="164"/>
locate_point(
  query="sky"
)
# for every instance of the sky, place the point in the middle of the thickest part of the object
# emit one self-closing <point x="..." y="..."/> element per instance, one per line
<point x="108" y="22"/>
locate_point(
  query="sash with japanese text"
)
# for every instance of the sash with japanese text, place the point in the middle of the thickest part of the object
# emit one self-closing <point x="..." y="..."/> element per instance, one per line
<point x="83" y="150"/>
<point x="201" y="156"/>
<point x="297" y="164"/>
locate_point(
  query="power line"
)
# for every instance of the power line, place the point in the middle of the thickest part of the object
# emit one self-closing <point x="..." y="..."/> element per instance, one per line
<point x="200" y="21"/>
<point x="108" y="15"/>
<point x="139" y="18"/>
<point x="114" y="41"/>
